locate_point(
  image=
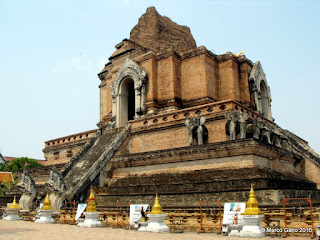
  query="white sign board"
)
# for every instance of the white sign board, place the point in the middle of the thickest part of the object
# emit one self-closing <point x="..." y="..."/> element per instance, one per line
<point x="135" y="212"/>
<point x="80" y="210"/>
<point x="230" y="209"/>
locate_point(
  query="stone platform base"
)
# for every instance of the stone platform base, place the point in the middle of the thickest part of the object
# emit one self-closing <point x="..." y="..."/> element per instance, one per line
<point x="252" y="227"/>
<point x="252" y="231"/>
<point x="143" y="226"/>
<point x="45" y="217"/>
<point x="210" y="172"/>
<point x="91" y="220"/>
<point x="13" y="215"/>
<point x="234" y="231"/>
<point x="156" y="223"/>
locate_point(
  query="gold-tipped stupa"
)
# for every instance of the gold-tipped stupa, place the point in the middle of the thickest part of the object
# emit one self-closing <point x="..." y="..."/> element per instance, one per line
<point x="14" y="205"/>
<point x="156" y="209"/>
<point x="252" y="205"/>
<point x="91" y="202"/>
<point x="47" y="203"/>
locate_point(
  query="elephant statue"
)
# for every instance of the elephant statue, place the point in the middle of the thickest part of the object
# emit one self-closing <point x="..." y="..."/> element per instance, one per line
<point x="265" y="133"/>
<point x="197" y="130"/>
<point x="275" y="136"/>
<point x="231" y="125"/>
<point x="258" y="124"/>
<point x="242" y="119"/>
<point x="237" y="123"/>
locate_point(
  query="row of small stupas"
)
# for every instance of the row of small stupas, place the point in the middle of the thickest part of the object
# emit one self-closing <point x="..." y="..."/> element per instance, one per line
<point x="181" y="121"/>
<point x="155" y="220"/>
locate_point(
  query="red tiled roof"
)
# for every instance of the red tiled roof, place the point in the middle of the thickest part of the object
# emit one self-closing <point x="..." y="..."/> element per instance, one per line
<point x="6" y="176"/>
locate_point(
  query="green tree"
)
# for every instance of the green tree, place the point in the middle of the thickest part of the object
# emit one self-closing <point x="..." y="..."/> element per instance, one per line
<point x="19" y="163"/>
<point x="5" y="186"/>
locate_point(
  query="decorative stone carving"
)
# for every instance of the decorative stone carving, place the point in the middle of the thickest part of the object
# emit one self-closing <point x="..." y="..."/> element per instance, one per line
<point x="276" y="136"/>
<point x="259" y="129"/>
<point x="242" y="119"/>
<point x="130" y="69"/>
<point x="265" y="133"/>
<point x="257" y="123"/>
<point x="29" y="190"/>
<point x="57" y="188"/>
<point x="196" y="130"/>
<point x="260" y="90"/>
<point x="285" y="142"/>
<point x="231" y="125"/>
<point x="237" y="123"/>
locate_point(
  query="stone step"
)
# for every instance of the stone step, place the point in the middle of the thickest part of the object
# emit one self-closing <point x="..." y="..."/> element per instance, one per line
<point x="86" y="168"/>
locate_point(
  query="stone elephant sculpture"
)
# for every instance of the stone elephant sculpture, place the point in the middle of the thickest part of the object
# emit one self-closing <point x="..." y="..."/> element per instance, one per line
<point x="197" y="130"/>
<point x="232" y="128"/>
<point x="242" y="120"/>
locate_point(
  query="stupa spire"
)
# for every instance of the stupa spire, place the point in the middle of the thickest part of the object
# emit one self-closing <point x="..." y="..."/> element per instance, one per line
<point x="91" y="202"/>
<point x="14" y="204"/>
<point x="156" y="209"/>
<point x="252" y="204"/>
<point x="47" y="203"/>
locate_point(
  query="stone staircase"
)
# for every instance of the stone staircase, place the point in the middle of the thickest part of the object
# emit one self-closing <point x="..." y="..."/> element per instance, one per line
<point x="81" y="171"/>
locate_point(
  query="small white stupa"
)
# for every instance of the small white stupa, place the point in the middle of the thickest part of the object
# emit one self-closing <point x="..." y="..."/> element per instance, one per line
<point x="91" y="215"/>
<point x="46" y="212"/>
<point x="13" y="211"/>
<point x="252" y="218"/>
<point x="156" y="218"/>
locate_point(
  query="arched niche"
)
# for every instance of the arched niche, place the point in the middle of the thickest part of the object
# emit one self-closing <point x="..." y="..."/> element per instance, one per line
<point x="260" y="90"/>
<point x="128" y="93"/>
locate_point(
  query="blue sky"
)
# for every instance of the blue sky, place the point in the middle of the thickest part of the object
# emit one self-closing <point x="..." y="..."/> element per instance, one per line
<point x="51" y="52"/>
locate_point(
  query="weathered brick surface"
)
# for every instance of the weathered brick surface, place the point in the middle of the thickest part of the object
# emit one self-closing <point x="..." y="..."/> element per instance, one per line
<point x="266" y="197"/>
<point x="160" y="33"/>
<point x="61" y="150"/>
<point x="181" y="80"/>
<point x="193" y="78"/>
<point x="229" y="79"/>
<point x="227" y="155"/>
<point x="312" y="172"/>
<point x="218" y="170"/>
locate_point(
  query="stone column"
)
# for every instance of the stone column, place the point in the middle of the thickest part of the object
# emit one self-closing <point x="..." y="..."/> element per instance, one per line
<point x="143" y="100"/>
<point x="138" y="103"/>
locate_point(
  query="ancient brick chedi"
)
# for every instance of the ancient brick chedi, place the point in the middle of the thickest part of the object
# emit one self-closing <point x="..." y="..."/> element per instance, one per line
<point x="178" y="120"/>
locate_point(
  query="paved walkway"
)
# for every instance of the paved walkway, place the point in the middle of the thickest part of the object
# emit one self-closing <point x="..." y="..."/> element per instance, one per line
<point x="17" y="230"/>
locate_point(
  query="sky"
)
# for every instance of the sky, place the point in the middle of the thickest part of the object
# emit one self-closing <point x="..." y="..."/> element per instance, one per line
<point x="52" y="51"/>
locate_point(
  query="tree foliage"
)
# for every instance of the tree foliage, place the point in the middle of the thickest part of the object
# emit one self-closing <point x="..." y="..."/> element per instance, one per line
<point x="6" y="186"/>
<point x="19" y="163"/>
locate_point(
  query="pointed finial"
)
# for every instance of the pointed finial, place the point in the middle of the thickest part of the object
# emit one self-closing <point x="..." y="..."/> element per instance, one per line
<point x="252" y="204"/>
<point x="14" y="204"/>
<point x="156" y="209"/>
<point x="47" y="203"/>
<point x="91" y="202"/>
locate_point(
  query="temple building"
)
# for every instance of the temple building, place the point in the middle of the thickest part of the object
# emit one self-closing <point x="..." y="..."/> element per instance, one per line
<point x="180" y="121"/>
